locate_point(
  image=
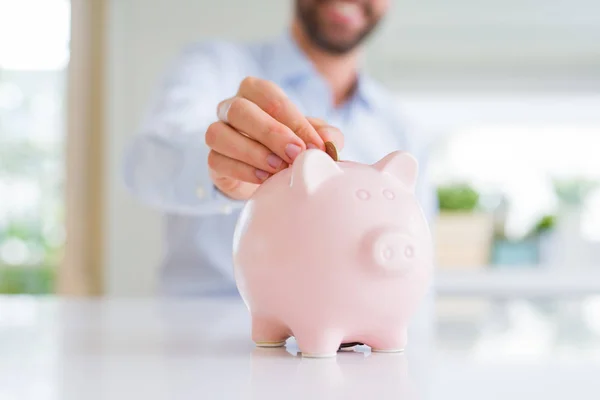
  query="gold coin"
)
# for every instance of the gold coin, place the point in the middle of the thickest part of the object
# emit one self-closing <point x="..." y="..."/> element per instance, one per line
<point x="331" y="150"/>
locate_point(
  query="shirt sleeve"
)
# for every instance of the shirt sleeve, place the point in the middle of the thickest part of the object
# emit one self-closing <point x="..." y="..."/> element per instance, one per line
<point x="165" y="164"/>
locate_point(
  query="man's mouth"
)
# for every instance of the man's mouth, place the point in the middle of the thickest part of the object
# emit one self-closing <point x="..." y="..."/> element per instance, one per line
<point x="345" y="12"/>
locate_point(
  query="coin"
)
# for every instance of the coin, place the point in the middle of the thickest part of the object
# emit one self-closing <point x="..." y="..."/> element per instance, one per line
<point x="331" y="150"/>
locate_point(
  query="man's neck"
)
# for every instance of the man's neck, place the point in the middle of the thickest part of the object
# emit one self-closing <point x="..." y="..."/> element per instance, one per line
<point x="340" y="71"/>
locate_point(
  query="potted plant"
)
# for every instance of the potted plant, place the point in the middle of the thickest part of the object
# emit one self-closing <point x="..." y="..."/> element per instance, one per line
<point x="572" y="193"/>
<point x="522" y="251"/>
<point x="463" y="231"/>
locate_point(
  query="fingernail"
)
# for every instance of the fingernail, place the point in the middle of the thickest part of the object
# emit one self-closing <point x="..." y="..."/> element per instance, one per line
<point x="312" y="146"/>
<point x="292" y="150"/>
<point x="274" y="161"/>
<point x="223" y="110"/>
<point x="262" y="175"/>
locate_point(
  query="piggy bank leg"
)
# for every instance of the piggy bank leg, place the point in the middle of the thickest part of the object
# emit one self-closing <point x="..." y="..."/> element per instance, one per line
<point x="268" y="332"/>
<point x="389" y="342"/>
<point x="318" y="343"/>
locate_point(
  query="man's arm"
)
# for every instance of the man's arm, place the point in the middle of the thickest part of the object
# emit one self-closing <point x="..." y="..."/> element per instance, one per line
<point x="165" y="165"/>
<point x="183" y="152"/>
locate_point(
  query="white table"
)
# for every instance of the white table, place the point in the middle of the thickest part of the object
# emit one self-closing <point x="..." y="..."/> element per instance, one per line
<point x="523" y="282"/>
<point x="200" y="349"/>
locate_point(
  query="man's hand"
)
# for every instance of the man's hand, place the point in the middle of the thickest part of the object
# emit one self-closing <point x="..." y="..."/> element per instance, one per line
<point x="259" y="133"/>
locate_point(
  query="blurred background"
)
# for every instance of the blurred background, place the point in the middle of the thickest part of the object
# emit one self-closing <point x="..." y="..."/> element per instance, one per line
<point x="507" y="94"/>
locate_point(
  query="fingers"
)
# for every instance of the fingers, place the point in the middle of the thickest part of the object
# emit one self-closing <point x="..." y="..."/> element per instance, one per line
<point x="234" y="170"/>
<point x="327" y="132"/>
<point x="271" y="99"/>
<point x="248" y="118"/>
<point x="259" y="133"/>
<point x="225" y="140"/>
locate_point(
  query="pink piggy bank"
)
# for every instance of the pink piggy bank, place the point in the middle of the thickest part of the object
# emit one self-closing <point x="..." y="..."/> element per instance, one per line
<point x="333" y="253"/>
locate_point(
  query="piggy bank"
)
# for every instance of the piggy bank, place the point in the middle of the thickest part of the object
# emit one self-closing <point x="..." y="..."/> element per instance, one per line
<point x="334" y="253"/>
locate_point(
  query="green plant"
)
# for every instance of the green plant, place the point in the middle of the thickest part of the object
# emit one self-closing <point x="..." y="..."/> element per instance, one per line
<point x="31" y="233"/>
<point x="545" y="224"/>
<point x="457" y="197"/>
<point x="35" y="276"/>
<point x="20" y="280"/>
<point x="574" y="191"/>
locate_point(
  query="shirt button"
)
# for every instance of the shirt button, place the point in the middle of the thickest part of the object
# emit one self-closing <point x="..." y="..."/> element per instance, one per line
<point x="200" y="193"/>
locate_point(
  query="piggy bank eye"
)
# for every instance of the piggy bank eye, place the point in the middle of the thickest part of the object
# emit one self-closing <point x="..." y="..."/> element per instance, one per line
<point x="363" y="194"/>
<point x="388" y="194"/>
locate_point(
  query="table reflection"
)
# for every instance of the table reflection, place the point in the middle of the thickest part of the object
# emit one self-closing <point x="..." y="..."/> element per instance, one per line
<point x="357" y="374"/>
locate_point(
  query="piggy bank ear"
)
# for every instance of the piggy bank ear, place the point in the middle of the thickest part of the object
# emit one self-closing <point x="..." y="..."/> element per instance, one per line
<point x="402" y="165"/>
<point x="312" y="168"/>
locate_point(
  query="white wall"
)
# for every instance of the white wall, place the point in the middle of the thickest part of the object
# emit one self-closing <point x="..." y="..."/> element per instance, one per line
<point x="424" y="45"/>
<point x="489" y="44"/>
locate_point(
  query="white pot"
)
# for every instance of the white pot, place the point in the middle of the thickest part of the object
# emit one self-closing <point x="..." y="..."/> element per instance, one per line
<point x="569" y="249"/>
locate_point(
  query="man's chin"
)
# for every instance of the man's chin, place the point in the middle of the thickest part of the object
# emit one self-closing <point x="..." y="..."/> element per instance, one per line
<point x="337" y="46"/>
<point x="337" y="42"/>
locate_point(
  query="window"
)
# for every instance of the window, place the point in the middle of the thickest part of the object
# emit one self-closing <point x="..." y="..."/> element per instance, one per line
<point x="34" y="53"/>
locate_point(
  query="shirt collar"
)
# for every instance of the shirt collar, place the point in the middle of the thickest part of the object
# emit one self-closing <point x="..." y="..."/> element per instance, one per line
<point x="288" y="64"/>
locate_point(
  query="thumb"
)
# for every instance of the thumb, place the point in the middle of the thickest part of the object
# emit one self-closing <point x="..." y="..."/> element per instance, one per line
<point x="328" y="132"/>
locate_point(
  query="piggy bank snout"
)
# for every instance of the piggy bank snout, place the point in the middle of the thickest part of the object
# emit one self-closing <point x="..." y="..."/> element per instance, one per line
<point x="391" y="249"/>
